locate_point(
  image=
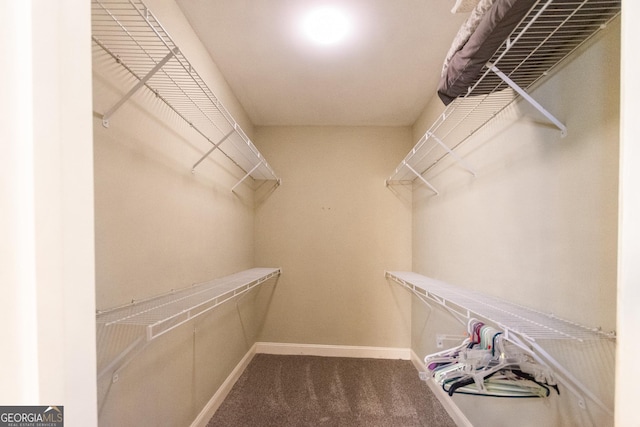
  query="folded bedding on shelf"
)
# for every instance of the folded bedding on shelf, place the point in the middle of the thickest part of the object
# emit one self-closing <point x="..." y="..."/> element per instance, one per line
<point x="488" y="26"/>
<point x="466" y="29"/>
<point x="464" y="6"/>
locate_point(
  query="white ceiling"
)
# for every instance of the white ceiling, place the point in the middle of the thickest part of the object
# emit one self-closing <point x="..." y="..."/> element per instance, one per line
<point x="384" y="74"/>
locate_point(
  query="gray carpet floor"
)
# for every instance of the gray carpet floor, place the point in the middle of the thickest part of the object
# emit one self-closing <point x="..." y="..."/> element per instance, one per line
<point x="329" y="391"/>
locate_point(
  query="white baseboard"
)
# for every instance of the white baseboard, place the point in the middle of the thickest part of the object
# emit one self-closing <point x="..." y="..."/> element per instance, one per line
<point x="452" y="409"/>
<point x="214" y="403"/>
<point x="333" y="350"/>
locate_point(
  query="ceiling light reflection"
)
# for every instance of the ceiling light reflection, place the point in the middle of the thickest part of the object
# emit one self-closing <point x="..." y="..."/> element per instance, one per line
<point x="326" y="25"/>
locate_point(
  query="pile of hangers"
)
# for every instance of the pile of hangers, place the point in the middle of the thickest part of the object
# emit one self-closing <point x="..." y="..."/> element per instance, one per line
<point x="487" y="364"/>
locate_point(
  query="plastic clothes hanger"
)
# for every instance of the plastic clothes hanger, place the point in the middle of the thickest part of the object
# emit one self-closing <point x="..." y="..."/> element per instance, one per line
<point x="482" y="365"/>
<point x="502" y="384"/>
<point x="518" y="376"/>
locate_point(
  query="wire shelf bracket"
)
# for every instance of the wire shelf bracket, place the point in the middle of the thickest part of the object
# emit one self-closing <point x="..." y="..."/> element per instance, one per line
<point x="211" y="150"/>
<point x="453" y="154"/>
<point x="128" y="32"/>
<point x="529" y="99"/>
<point x="523" y="326"/>
<point x="143" y="81"/>
<point x="421" y="178"/>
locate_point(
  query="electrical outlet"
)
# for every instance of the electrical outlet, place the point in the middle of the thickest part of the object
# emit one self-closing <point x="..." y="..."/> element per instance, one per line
<point x="423" y="376"/>
<point x="439" y="341"/>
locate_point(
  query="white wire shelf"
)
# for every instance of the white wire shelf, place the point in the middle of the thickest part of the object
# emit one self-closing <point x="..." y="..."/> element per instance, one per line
<point x="163" y="313"/>
<point x="526" y="322"/>
<point x="124" y="332"/>
<point x="549" y="33"/>
<point x="582" y="358"/>
<point x="129" y="32"/>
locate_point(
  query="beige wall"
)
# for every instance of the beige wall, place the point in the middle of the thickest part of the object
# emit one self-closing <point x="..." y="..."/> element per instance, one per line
<point x="334" y="229"/>
<point x="159" y="227"/>
<point x="538" y="225"/>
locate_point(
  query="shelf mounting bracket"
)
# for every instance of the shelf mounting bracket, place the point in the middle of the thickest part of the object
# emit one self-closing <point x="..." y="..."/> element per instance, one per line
<point x="216" y="145"/>
<point x="415" y="172"/>
<point x="246" y="176"/>
<point x="529" y="98"/>
<point x="106" y="116"/>
<point x="459" y="159"/>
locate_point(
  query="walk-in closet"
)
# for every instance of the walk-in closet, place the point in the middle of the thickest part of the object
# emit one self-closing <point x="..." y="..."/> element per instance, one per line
<point x="322" y="213"/>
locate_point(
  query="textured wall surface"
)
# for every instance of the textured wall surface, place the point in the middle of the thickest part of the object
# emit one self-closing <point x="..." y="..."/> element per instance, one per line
<point x="334" y="229"/>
